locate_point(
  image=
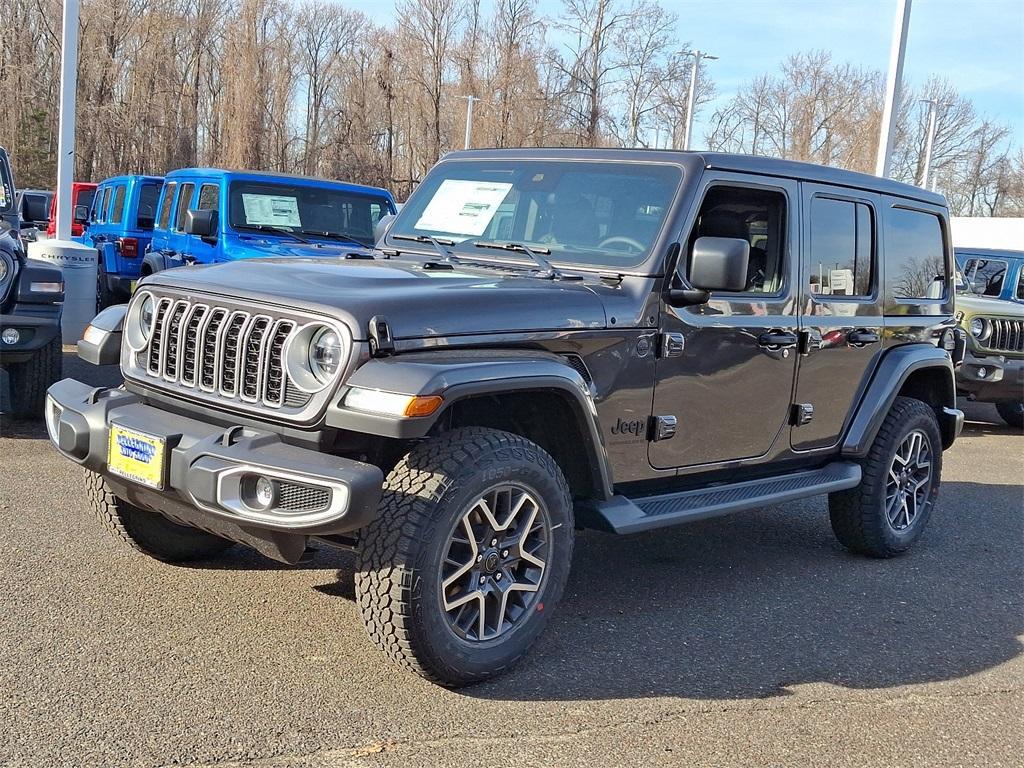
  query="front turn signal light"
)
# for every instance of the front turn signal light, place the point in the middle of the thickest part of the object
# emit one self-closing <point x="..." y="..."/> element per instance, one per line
<point x="392" y="403"/>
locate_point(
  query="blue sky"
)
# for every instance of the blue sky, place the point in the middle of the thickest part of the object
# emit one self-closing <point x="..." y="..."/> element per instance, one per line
<point x="976" y="44"/>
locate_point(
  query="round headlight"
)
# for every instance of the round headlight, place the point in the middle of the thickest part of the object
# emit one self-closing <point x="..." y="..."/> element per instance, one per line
<point x="325" y="351"/>
<point x="979" y="328"/>
<point x="138" y="324"/>
<point x="146" y="316"/>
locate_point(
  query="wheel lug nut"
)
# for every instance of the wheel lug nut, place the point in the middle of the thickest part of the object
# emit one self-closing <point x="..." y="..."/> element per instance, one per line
<point x="494" y="542"/>
<point x="483" y="579"/>
<point x="479" y="558"/>
<point x="504" y="553"/>
<point x="497" y="576"/>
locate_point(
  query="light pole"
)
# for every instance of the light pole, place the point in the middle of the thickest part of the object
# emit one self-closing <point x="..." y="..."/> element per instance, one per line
<point x="66" y="129"/>
<point x="929" y="144"/>
<point x="692" y="98"/>
<point x="893" y="86"/>
<point x="469" y="118"/>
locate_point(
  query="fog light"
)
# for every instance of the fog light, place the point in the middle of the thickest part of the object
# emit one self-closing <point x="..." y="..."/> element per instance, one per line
<point x="263" y="492"/>
<point x="10" y="336"/>
<point x="982" y="372"/>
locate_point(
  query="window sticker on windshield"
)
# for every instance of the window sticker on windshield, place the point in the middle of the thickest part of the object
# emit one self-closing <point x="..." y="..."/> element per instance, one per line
<point x="271" y="210"/>
<point x="463" y="207"/>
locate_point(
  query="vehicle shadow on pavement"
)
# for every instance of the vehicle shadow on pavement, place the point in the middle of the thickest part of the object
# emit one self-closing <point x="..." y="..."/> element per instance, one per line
<point x="750" y="605"/>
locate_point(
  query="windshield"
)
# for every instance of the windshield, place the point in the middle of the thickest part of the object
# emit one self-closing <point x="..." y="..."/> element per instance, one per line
<point x="982" y="277"/>
<point x="299" y="208"/>
<point x="587" y="213"/>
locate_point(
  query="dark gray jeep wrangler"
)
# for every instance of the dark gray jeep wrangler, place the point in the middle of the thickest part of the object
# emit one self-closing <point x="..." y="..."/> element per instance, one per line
<point x="30" y="309"/>
<point x="543" y="340"/>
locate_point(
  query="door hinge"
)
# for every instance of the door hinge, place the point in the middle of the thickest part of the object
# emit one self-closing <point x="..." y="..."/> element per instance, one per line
<point x="802" y="414"/>
<point x="661" y="428"/>
<point x="381" y="343"/>
<point x="671" y="345"/>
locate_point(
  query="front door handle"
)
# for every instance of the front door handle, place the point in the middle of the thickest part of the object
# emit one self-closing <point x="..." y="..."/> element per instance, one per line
<point x="777" y="339"/>
<point x="862" y="337"/>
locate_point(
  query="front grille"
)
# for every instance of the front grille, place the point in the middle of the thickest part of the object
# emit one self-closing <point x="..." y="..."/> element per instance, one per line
<point x="293" y="497"/>
<point x="232" y="354"/>
<point x="1007" y="335"/>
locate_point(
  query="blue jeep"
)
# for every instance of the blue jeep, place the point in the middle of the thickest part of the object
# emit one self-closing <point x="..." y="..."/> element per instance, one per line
<point x="120" y="226"/>
<point x="208" y="215"/>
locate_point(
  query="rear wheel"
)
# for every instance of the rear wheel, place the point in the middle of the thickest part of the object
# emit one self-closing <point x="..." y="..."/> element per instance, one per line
<point x="889" y="510"/>
<point x="458" y="574"/>
<point x="30" y="379"/>
<point x="1012" y="412"/>
<point x="104" y="296"/>
<point x="149" y="532"/>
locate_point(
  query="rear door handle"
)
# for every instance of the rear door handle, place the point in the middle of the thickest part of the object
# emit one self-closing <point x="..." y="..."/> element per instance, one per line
<point x="862" y="337"/>
<point x="777" y="339"/>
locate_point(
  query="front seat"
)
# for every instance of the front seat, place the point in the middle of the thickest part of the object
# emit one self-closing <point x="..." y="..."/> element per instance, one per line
<point x="574" y="222"/>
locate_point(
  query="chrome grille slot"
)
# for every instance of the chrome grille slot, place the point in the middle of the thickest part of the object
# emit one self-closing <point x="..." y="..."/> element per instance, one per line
<point x="210" y="352"/>
<point x="172" y="340"/>
<point x="274" y="384"/>
<point x="253" y="349"/>
<point x="190" y="344"/>
<point x="232" y="353"/>
<point x="157" y="340"/>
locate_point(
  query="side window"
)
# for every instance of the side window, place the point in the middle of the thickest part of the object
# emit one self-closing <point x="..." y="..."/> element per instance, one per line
<point x="104" y="212"/>
<point x="209" y="197"/>
<point x="1020" y="285"/>
<point x="97" y="202"/>
<point x="117" y="214"/>
<point x="841" y="248"/>
<point x="184" y="200"/>
<point x="148" y="196"/>
<point x="755" y="215"/>
<point x="165" y="208"/>
<point x="915" y="259"/>
<point x="984" y="277"/>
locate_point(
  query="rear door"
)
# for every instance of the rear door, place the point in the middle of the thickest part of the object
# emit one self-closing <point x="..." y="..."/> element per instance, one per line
<point x="179" y="241"/>
<point x="841" y="311"/>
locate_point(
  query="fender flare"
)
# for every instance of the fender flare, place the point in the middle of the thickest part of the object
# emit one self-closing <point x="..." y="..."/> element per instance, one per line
<point x="155" y="261"/>
<point x="461" y="375"/>
<point x="895" y="368"/>
<point x="108" y="256"/>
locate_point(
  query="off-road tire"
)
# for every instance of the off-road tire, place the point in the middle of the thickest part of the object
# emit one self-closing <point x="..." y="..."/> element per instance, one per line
<point x="397" y="578"/>
<point x="1012" y="412"/>
<point x="31" y="379"/>
<point x="148" y="532"/>
<point x="858" y="515"/>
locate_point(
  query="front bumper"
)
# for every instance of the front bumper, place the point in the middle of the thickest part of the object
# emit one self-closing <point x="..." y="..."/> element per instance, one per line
<point x="1003" y="377"/>
<point x="36" y="328"/>
<point x="206" y="467"/>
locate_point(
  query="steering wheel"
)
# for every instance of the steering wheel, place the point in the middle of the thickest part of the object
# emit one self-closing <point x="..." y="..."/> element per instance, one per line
<point x="620" y="240"/>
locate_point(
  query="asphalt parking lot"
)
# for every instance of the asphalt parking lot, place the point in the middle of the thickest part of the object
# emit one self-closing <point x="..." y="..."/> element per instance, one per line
<point x="754" y="640"/>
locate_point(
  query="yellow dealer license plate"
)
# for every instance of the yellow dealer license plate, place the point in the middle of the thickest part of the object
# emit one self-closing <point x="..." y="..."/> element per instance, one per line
<point x="136" y="456"/>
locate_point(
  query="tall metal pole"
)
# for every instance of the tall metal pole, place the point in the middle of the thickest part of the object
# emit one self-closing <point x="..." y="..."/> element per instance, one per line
<point x="933" y="108"/>
<point x="893" y="86"/>
<point x="66" y="132"/>
<point x="469" y="119"/>
<point x="691" y="99"/>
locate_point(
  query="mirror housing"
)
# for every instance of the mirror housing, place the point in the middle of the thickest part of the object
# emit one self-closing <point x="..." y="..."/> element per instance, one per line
<point x="202" y="223"/>
<point x="81" y="214"/>
<point x="719" y="264"/>
<point x="382" y="227"/>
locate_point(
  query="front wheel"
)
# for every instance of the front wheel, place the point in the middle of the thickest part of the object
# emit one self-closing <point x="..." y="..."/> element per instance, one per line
<point x="1012" y="412"/>
<point x="31" y="379"/>
<point x="890" y="508"/>
<point x="470" y="552"/>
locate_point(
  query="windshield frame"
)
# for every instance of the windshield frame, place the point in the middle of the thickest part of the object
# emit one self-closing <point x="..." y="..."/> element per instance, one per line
<point x="302" y="233"/>
<point x="650" y="265"/>
<point x="7" y="182"/>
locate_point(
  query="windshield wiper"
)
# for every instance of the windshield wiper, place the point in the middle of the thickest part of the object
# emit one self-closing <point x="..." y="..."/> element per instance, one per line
<point x="438" y="243"/>
<point x="547" y="268"/>
<point x="273" y="229"/>
<point x="335" y="236"/>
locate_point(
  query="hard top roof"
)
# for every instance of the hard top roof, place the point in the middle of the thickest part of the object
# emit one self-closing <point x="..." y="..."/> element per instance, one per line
<point x="269" y="176"/>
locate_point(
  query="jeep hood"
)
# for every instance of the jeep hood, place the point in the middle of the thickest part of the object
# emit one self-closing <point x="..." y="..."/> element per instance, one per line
<point x="416" y="302"/>
<point x="988" y="305"/>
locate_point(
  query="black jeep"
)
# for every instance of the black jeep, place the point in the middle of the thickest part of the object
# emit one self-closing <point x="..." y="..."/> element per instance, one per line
<point x="544" y="340"/>
<point x="30" y="307"/>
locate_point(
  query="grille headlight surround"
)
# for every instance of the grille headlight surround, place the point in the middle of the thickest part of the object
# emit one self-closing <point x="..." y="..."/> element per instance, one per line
<point x="315" y="355"/>
<point x="981" y="328"/>
<point x="138" y="325"/>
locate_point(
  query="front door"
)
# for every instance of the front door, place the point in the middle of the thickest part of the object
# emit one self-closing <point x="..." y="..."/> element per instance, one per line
<point x="730" y="381"/>
<point x="841" y="323"/>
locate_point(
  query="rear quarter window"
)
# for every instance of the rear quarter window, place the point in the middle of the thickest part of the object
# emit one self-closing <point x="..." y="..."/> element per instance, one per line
<point x="117" y="212"/>
<point x="148" y="197"/>
<point x="165" y="205"/>
<point x="915" y="255"/>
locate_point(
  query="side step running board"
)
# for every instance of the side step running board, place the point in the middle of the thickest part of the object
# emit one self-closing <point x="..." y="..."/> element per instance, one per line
<point x="630" y="515"/>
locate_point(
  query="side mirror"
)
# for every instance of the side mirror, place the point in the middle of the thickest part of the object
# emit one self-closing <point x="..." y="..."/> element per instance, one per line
<point x="382" y="227"/>
<point x="81" y="214"/>
<point x="202" y="223"/>
<point x="719" y="264"/>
